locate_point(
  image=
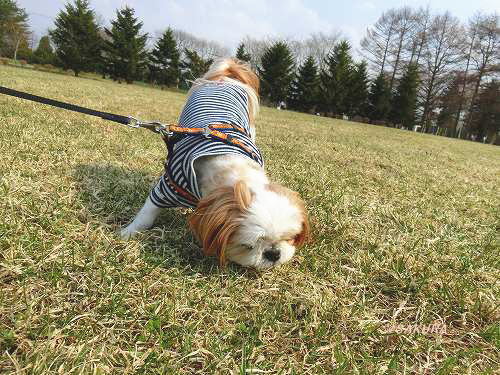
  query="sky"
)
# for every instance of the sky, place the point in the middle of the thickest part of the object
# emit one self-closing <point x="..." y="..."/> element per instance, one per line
<point x="229" y="21"/>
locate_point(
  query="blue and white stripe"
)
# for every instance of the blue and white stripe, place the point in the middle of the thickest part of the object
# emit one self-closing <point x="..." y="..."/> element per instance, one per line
<point x="213" y="102"/>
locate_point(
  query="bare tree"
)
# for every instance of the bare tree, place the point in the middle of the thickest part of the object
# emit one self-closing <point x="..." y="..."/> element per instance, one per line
<point x="419" y="37"/>
<point x="256" y="49"/>
<point x="441" y="55"/>
<point x="404" y="27"/>
<point x="319" y="45"/>
<point x="485" y="53"/>
<point x="375" y="46"/>
<point x="206" y="49"/>
<point x="470" y="40"/>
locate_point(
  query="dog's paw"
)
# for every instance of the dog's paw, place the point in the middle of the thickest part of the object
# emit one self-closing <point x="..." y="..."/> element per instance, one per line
<point x="126" y="233"/>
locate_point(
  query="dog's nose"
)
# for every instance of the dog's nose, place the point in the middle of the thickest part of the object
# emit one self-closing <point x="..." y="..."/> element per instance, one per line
<point x="272" y="255"/>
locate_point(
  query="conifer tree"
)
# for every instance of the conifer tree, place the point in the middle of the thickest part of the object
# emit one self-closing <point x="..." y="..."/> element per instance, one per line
<point x="277" y="72"/>
<point x="336" y="79"/>
<point x="358" y="91"/>
<point x="484" y="118"/>
<point x="126" y="55"/>
<point x="449" y="107"/>
<point x="241" y="54"/>
<point x="404" y="102"/>
<point x="194" y="66"/>
<point x="44" y="54"/>
<point x="14" y="29"/>
<point x="379" y="99"/>
<point x="304" y="91"/>
<point x="76" y="37"/>
<point x="164" y="60"/>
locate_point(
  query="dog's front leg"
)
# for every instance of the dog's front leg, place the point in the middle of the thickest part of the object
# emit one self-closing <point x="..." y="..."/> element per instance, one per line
<point x="143" y="220"/>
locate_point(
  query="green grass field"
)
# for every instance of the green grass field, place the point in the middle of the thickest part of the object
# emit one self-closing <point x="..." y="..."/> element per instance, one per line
<point x="405" y="230"/>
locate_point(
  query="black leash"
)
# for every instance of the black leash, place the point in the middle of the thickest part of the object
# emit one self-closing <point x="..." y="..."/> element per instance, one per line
<point x="129" y="121"/>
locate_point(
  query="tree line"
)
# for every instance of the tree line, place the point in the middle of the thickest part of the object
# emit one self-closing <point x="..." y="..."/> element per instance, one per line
<point x="420" y="71"/>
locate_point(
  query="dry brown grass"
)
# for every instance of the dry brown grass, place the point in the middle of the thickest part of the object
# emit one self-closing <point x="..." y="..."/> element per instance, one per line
<point x="405" y="227"/>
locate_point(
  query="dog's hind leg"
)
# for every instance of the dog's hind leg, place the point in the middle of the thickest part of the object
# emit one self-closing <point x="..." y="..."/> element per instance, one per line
<point x="143" y="220"/>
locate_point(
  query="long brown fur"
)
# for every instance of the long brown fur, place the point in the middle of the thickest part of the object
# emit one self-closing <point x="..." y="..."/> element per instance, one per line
<point x="217" y="217"/>
<point x="294" y="197"/>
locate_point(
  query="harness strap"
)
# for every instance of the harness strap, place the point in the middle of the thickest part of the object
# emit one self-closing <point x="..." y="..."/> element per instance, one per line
<point x="181" y="191"/>
<point x="211" y="130"/>
<point x="193" y="131"/>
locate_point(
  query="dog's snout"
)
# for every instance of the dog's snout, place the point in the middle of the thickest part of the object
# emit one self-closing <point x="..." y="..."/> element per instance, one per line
<point x="272" y="255"/>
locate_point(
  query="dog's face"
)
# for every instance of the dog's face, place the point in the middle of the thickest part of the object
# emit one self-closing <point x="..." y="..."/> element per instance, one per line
<point x="260" y="229"/>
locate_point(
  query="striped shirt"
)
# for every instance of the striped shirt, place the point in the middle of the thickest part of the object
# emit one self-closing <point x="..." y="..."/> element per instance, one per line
<point x="213" y="102"/>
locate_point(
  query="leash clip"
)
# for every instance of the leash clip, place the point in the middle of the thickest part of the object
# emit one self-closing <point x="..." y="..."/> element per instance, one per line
<point x="154" y="126"/>
<point x="206" y="131"/>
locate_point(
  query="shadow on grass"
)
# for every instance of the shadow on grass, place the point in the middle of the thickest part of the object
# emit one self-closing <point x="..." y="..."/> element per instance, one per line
<point x="112" y="195"/>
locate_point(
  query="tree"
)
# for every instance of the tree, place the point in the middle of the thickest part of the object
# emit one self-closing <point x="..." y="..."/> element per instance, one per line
<point x="165" y="60"/>
<point x="485" y="113"/>
<point x="419" y="35"/>
<point x="404" y="27"/>
<point x="14" y="29"/>
<point x="318" y="45"/>
<point x="304" y="91"/>
<point x="336" y="80"/>
<point x="485" y="52"/>
<point x="241" y="54"/>
<point x="405" y="99"/>
<point x="44" y="54"/>
<point x="194" y="66"/>
<point x="379" y="99"/>
<point x="358" y="92"/>
<point x="376" y="44"/>
<point x="449" y="106"/>
<point x="441" y="55"/>
<point x="469" y="42"/>
<point x="206" y="49"/>
<point x="126" y="56"/>
<point x="276" y="72"/>
<point x="76" y="37"/>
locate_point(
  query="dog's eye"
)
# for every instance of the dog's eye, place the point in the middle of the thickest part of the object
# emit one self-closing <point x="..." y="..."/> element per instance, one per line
<point x="247" y="247"/>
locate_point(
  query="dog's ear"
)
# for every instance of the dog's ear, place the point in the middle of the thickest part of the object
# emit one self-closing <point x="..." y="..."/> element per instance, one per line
<point x="304" y="235"/>
<point x="294" y="197"/>
<point x="218" y="216"/>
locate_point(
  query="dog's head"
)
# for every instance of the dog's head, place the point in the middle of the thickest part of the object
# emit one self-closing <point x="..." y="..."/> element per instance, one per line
<point x="259" y="229"/>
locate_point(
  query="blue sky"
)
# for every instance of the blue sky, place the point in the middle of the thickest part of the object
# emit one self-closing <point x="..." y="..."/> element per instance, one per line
<point x="228" y="21"/>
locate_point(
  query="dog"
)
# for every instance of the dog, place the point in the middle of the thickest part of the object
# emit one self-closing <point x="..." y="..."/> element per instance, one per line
<point x="239" y="214"/>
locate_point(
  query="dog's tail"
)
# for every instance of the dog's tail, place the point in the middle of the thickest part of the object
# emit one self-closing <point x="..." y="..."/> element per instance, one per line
<point x="237" y="72"/>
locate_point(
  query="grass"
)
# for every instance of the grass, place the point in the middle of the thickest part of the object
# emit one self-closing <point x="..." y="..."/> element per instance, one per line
<point x="405" y="232"/>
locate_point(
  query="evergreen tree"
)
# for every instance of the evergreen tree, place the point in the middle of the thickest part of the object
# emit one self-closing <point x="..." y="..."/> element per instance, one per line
<point x="449" y="106"/>
<point x="126" y="56"/>
<point x="76" y="37"/>
<point x="358" y="91"/>
<point x="336" y="79"/>
<point x="241" y="54"/>
<point x="44" y="54"/>
<point x="304" y="91"/>
<point x="404" y="102"/>
<point x="485" y="113"/>
<point x="165" y="60"/>
<point x="14" y="28"/>
<point x="193" y="66"/>
<point x="379" y="99"/>
<point x="277" y="72"/>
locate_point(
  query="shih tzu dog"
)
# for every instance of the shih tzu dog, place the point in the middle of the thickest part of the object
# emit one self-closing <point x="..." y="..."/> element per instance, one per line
<point x="214" y="167"/>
